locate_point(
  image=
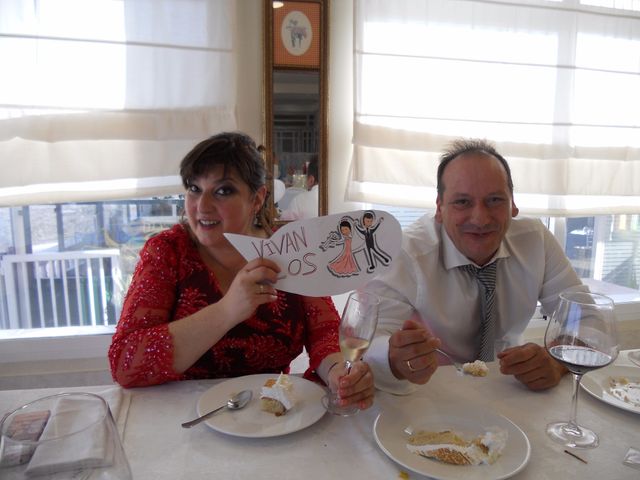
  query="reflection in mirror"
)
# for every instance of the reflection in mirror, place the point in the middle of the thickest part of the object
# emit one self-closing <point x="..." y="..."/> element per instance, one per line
<point x="296" y="112"/>
<point x="295" y="79"/>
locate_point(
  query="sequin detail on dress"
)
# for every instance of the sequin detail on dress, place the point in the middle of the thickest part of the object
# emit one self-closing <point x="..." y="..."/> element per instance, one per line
<point x="171" y="282"/>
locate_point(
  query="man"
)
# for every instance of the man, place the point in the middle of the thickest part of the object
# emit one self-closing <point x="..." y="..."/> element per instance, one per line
<point x="373" y="253"/>
<point x="434" y="294"/>
<point x="305" y="204"/>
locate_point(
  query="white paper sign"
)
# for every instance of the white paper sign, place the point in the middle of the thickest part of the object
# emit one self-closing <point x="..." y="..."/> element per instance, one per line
<point x="327" y="255"/>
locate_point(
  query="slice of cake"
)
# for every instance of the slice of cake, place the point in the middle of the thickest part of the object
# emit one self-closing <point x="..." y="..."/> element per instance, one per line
<point x="625" y="390"/>
<point x="477" y="368"/>
<point x="449" y="447"/>
<point x="277" y="395"/>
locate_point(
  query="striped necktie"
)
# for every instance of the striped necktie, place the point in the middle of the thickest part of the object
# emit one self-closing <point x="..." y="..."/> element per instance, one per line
<point x="486" y="277"/>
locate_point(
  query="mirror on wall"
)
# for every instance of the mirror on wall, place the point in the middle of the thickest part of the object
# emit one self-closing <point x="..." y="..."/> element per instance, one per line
<point x="295" y="95"/>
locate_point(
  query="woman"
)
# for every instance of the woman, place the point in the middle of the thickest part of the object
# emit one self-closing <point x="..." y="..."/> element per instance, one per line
<point x="345" y="264"/>
<point x="197" y="309"/>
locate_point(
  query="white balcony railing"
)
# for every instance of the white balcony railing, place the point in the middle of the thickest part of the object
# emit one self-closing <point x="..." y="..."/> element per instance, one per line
<point x="59" y="289"/>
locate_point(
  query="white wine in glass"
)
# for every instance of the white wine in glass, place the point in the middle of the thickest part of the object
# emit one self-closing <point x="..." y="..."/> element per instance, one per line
<point x="357" y="327"/>
<point x="634" y="357"/>
<point x="581" y="335"/>
<point x="352" y="348"/>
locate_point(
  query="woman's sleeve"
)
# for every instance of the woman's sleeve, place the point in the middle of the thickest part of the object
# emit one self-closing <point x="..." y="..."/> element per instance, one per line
<point x="321" y="331"/>
<point x="141" y="351"/>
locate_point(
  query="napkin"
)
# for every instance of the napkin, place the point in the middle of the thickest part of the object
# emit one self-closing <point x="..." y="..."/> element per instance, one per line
<point x="119" y="401"/>
<point x="91" y="448"/>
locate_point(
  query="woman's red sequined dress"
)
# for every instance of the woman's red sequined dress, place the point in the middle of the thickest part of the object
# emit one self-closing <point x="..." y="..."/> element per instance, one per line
<point x="171" y="282"/>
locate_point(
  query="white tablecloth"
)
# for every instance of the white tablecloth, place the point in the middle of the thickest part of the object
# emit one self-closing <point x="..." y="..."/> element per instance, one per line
<point x="336" y="447"/>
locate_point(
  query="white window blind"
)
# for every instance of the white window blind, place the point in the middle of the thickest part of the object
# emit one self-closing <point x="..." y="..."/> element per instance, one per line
<point x="100" y="99"/>
<point x="554" y="84"/>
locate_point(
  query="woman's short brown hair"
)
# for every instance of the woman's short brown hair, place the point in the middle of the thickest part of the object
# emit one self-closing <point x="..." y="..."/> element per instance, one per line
<point x="235" y="150"/>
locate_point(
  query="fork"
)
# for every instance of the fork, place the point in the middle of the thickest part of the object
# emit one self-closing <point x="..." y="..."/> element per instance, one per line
<point x="457" y="365"/>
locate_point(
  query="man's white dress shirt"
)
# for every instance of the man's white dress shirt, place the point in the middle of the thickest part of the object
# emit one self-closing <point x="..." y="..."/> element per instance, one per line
<point x="424" y="282"/>
<point x="303" y="205"/>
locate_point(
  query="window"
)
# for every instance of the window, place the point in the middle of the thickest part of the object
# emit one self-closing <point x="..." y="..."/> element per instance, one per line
<point x="69" y="265"/>
<point x="553" y="83"/>
<point x="99" y="99"/>
<point x="605" y="251"/>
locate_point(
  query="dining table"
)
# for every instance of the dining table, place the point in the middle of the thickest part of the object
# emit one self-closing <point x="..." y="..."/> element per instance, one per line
<point x="335" y="447"/>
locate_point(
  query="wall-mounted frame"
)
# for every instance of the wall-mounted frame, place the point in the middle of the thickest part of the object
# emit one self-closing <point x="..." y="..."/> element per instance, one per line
<point x="297" y="35"/>
<point x="295" y="59"/>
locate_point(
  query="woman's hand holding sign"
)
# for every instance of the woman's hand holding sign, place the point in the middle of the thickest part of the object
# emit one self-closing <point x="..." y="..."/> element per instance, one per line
<point x="327" y="255"/>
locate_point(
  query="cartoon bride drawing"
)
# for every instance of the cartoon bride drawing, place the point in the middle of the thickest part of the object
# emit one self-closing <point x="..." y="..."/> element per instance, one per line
<point x="345" y="264"/>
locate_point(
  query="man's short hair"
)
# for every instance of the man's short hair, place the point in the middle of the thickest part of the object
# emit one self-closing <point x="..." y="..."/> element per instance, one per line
<point x="312" y="168"/>
<point x="464" y="146"/>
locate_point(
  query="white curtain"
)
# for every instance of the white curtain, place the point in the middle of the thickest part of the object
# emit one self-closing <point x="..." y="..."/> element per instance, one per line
<point x="555" y="85"/>
<point x="100" y="99"/>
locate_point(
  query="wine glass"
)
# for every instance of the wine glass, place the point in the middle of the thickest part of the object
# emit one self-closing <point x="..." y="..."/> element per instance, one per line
<point x="357" y="326"/>
<point x="634" y="357"/>
<point x="581" y="335"/>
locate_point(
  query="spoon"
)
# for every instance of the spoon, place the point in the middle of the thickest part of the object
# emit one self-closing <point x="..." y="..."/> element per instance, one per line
<point x="236" y="402"/>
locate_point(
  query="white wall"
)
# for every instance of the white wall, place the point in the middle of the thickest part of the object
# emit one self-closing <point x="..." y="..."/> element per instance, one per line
<point x="248" y="41"/>
<point x="340" y="111"/>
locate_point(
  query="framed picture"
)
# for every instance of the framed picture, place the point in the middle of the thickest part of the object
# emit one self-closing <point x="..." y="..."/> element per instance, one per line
<point x="296" y="35"/>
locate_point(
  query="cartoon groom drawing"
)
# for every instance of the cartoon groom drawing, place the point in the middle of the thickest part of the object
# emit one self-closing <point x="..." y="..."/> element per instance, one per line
<point x="367" y="229"/>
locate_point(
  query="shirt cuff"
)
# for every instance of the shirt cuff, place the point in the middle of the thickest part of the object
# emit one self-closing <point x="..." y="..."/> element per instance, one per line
<point x="377" y="357"/>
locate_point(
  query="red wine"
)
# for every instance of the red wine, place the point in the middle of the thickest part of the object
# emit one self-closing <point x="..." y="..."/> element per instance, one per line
<point x="580" y="360"/>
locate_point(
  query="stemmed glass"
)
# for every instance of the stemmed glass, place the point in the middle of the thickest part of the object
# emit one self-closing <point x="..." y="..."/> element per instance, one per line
<point x="581" y="335"/>
<point x="357" y="326"/>
<point x="634" y="357"/>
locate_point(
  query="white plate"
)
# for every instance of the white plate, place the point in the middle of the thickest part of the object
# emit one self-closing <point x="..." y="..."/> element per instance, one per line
<point x="470" y="422"/>
<point x="251" y="421"/>
<point x="597" y="384"/>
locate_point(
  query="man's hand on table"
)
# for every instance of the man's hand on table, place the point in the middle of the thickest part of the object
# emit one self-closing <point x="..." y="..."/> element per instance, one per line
<point x="412" y="353"/>
<point x="532" y="365"/>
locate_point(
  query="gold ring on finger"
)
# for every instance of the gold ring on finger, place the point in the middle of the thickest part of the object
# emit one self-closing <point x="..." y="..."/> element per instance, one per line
<point x="410" y="367"/>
